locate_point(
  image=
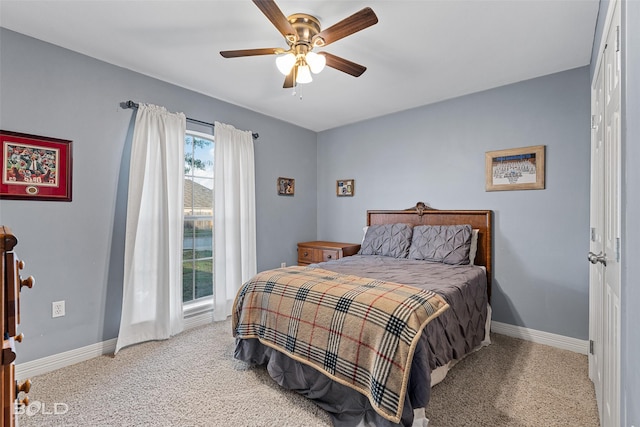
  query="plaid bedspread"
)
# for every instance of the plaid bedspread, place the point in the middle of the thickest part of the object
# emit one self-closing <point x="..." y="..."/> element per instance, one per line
<point x="359" y="332"/>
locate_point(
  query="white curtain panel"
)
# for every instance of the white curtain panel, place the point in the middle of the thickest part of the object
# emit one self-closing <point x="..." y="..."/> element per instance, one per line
<point x="234" y="216"/>
<point x="152" y="289"/>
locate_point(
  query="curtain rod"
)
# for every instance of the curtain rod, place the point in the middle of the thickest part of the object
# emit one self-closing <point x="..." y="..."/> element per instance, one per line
<point x="131" y="104"/>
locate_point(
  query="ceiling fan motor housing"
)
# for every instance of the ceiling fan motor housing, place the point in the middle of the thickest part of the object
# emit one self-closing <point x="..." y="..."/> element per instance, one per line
<point x="307" y="27"/>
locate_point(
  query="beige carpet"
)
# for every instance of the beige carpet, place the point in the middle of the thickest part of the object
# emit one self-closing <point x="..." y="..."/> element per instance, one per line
<point x="193" y="380"/>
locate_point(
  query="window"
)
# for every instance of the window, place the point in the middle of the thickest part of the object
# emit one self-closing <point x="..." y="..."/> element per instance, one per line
<point x="197" y="246"/>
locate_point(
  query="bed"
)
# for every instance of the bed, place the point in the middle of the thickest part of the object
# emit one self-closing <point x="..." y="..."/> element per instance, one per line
<point x="367" y="336"/>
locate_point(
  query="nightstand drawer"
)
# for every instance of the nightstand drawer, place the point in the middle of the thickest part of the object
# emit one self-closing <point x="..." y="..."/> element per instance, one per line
<point x="306" y="255"/>
<point x="329" y="254"/>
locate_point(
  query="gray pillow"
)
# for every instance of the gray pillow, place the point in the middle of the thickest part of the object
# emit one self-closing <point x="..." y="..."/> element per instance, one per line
<point x="448" y="244"/>
<point x="387" y="240"/>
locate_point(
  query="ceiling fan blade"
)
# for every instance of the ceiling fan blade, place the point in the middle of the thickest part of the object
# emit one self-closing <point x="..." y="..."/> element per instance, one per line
<point x="354" y="23"/>
<point x="343" y="65"/>
<point x="289" y="80"/>
<point x="277" y="18"/>
<point x="251" y="52"/>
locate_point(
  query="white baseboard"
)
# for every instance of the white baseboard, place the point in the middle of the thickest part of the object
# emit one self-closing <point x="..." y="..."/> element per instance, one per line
<point x="51" y="363"/>
<point x="540" y="337"/>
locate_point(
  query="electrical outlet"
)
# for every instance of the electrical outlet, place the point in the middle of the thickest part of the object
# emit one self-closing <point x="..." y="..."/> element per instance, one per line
<point x="57" y="309"/>
<point x="283" y="264"/>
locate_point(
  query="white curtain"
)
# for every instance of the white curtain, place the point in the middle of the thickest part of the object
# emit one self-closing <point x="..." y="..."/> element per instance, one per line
<point x="152" y="289"/>
<point x="234" y="215"/>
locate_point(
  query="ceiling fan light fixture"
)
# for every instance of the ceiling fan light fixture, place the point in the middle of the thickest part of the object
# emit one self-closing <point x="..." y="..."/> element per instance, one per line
<point x="303" y="33"/>
<point x="303" y="75"/>
<point x="316" y="62"/>
<point x="285" y="63"/>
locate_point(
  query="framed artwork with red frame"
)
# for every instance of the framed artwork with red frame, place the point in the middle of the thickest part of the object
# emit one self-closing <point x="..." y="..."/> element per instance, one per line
<point x="35" y="167"/>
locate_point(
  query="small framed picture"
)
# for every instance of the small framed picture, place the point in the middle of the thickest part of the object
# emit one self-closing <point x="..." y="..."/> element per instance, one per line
<point x="345" y="187"/>
<point x="515" y="169"/>
<point x="286" y="186"/>
<point x="35" y="167"/>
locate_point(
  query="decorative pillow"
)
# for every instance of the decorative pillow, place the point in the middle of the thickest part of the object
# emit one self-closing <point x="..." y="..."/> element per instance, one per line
<point x="364" y="233"/>
<point x="449" y="244"/>
<point x="387" y="240"/>
<point x="474" y="246"/>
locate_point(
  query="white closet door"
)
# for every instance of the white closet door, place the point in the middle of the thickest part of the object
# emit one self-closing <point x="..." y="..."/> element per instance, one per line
<point x="604" y="322"/>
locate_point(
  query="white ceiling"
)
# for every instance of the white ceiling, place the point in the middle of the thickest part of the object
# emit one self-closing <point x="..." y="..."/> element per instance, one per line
<point x="420" y="52"/>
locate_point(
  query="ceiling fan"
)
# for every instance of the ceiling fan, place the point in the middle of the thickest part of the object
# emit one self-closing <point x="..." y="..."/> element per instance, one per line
<point x="303" y="33"/>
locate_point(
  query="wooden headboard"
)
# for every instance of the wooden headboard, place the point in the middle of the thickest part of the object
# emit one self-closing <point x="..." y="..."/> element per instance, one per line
<point x="481" y="220"/>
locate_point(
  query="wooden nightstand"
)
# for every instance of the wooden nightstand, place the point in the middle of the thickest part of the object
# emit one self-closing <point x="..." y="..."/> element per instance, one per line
<point x="320" y="251"/>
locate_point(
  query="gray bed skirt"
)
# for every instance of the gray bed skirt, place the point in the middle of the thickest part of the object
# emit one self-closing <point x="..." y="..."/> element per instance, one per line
<point x="346" y="407"/>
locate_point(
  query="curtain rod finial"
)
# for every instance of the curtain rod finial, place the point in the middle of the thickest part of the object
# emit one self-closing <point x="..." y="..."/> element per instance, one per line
<point x="128" y="104"/>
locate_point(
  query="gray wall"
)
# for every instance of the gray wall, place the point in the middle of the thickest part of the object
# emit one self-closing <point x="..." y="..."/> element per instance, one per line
<point x="436" y="154"/>
<point x="630" y="369"/>
<point x="75" y="250"/>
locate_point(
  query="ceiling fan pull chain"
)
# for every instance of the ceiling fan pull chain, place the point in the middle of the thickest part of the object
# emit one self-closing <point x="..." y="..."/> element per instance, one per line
<point x="297" y="90"/>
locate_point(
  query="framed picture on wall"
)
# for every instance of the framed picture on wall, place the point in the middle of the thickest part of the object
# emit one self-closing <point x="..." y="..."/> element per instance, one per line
<point x="35" y="167"/>
<point x="286" y="186"/>
<point x="515" y="169"/>
<point x="345" y="187"/>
